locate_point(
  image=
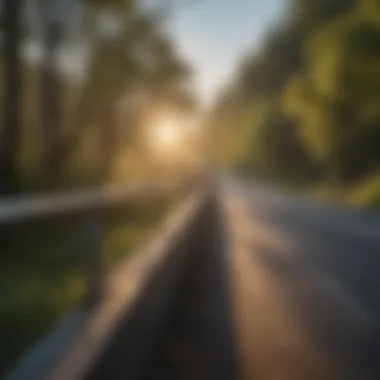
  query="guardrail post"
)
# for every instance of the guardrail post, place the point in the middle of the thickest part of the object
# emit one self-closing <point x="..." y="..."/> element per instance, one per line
<point x="93" y="259"/>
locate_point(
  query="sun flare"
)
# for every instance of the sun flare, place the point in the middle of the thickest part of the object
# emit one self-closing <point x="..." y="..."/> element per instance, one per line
<point x="167" y="134"/>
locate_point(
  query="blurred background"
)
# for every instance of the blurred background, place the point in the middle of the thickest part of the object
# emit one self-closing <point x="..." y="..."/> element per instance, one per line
<point x="100" y="92"/>
<point x="303" y="106"/>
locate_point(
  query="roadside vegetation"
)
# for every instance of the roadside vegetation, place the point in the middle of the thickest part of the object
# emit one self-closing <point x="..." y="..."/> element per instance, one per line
<point x="304" y="111"/>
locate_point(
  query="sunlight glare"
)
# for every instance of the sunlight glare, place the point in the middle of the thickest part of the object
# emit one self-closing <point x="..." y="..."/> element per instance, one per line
<point x="167" y="134"/>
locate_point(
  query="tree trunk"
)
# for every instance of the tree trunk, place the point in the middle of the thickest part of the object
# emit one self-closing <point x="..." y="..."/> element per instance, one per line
<point x="109" y="143"/>
<point x="51" y="107"/>
<point x="10" y="133"/>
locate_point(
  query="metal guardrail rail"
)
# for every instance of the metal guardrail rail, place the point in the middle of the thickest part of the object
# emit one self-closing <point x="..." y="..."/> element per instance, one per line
<point x="85" y="331"/>
<point x="29" y="209"/>
<point x="124" y="333"/>
<point x="89" y="206"/>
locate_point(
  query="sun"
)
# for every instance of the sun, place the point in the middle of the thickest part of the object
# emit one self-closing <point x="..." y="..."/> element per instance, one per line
<point x="166" y="135"/>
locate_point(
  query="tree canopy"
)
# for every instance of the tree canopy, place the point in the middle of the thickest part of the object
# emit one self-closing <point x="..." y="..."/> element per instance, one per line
<point x="317" y="78"/>
<point x="82" y="100"/>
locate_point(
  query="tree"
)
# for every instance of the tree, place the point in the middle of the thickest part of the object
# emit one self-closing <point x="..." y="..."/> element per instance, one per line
<point x="10" y="132"/>
<point x="51" y="92"/>
<point x="137" y="55"/>
<point x="321" y="63"/>
<point x="332" y="99"/>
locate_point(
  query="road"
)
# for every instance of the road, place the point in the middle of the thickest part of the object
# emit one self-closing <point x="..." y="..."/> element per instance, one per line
<point x="305" y="286"/>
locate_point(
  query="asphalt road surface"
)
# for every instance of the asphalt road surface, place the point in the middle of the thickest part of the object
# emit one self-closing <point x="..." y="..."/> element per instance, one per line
<point x="305" y="286"/>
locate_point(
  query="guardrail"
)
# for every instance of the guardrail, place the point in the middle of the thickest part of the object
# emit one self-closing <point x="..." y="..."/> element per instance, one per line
<point x="29" y="209"/>
<point x="89" y="209"/>
<point x="119" y="335"/>
<point x="68" y="350"/>
<point x="123" y="336"/>
<point x="87" y="204"/>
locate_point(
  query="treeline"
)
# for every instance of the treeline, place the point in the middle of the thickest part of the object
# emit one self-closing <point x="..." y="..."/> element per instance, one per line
<point x="307" y="105"/>
<point x="78" y="79"/>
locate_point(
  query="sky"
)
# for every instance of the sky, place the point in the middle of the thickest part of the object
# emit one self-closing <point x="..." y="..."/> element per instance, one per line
<point x="214" y="35"/>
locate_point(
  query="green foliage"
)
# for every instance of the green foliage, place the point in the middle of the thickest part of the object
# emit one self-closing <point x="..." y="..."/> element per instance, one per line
<point x="318" y="78"/>
<point x="75" y="132"/>
<point x="367" y="192"/>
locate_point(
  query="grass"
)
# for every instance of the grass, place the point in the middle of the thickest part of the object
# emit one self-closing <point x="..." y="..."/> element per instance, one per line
<point x="366" y="193"/>
<point x="42" y="272"/>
